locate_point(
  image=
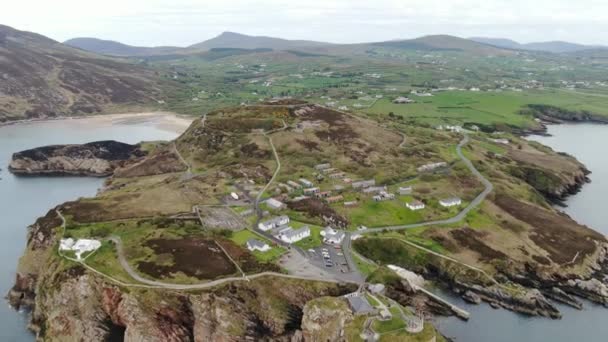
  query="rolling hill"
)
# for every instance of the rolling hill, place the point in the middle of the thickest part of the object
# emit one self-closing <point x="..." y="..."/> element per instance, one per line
<point x="550" y="46"/>
<point x="443" y="43"/>
<point x="242" y="41"/>
<point x="44" y="78"/>
<point x="113" y="48"/>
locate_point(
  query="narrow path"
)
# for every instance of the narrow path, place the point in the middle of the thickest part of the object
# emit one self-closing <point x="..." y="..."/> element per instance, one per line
<point x="274" y="175"/>
<point x="488" y="187"/>
<point x="231" y="259"/>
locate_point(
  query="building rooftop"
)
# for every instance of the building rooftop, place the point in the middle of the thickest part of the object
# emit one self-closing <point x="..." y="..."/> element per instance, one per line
<point x="256" y="243"/>
<point x="360" y="305"/>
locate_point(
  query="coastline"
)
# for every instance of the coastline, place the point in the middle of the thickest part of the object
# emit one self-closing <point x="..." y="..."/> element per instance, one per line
<point x="169" y="121"/>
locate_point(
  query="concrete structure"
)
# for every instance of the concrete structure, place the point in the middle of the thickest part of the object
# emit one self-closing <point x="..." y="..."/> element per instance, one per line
<point x="384" y="196"/>
<point x="311" y="191"/>
<point x="275" y="204"/>
<point x="376" y="288"/>
<point x="432" y="166"/>
<point x="290" y="235"/>
<point x="306" y="183"/>
<point x="363" y="184"/>
<point x="323" y="194"/>
<point x="501" y="141"/>
<point x="332" y="236"/>
<point x="450" y="202"/>
<point x="337" y="175"/>
<point x="351" y="204"/>
<point x="79" y="246"/>
<point x="273" y="223"/>
<point x="374" y="189"/>
<point x="405" y="190"/>
<point x="415" y="205"/>
<point x="401" y="100"/>
<point x="257" y="245"/>
<point x="334" y="199"/>
<point x="359" y="304"/>
<point x="322" y="166"/>
<point x="294" y="184"/>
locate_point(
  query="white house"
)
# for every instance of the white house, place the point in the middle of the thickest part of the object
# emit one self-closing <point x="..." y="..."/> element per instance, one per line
<point x="450" y="202"/>
<point x="257" y="245"/>
<point x="273" y="223"/>
<point x="327" y="230"/>
<point x="290" y="235"/>
<point x="334" y="238"/>
<point x="415" y="205"/>
<point x="432" y="166"/>
<point x="294" y="184"/>
<point x="275" y="204"/>
<point x="80" y="247"/>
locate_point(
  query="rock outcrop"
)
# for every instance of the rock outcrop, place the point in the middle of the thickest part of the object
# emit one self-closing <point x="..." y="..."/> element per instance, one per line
<point x="98" y="159"/>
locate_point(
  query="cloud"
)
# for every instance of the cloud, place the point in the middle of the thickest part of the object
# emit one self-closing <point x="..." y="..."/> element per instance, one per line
<point x="184" y="22"/>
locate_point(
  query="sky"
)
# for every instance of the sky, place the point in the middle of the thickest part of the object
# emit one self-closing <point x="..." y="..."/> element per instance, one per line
<point x="185" y="22"/>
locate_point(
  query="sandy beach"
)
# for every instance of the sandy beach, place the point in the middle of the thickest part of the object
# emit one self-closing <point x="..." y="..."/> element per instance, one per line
<point x="166" y="121"/>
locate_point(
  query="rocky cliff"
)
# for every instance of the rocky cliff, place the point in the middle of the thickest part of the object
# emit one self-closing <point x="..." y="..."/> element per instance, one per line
<point x="98" y="159"/>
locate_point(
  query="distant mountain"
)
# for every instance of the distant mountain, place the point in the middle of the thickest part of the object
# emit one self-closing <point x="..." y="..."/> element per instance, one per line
<point x="44" y="78"/>
<point x="499" y="42"/>
<point x="242" y="41"/>
<point x="444" y="42"/>
<point x="552" y="46"/>
<point x="113" y="48"/>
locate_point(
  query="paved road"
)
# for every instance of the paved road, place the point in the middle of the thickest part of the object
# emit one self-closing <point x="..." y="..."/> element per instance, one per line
<point x="158" y="284"/>
<point x="488" y="187"/>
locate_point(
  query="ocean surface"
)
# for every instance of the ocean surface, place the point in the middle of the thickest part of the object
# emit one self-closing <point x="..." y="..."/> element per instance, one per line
<point x="587" y="143"/>
<point x="23" y="200"/>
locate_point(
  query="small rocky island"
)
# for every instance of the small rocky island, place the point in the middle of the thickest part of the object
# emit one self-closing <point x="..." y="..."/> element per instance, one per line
<point x="97" y="159"/>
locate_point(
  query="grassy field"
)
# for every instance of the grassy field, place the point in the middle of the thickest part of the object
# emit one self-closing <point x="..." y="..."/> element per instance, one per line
<point x="241" y="237"/>
<point x="487" y="108"/>
<point x="314" y="240"/>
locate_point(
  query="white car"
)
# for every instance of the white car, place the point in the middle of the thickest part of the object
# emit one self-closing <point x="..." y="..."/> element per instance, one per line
<point x="362" y="228"/>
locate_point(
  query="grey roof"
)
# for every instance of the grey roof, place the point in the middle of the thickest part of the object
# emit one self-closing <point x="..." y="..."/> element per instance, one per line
<point x="255" y="243"/>
<point x="294" y="232"/>
<point x="276" y="220"/>
<point x="360" y="305"/>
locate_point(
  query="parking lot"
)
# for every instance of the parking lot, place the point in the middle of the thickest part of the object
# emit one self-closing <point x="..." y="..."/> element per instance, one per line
<point x="329" y="257"/>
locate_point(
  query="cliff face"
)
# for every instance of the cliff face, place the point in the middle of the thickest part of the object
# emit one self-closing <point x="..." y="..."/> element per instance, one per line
<point x="93" y="159"/>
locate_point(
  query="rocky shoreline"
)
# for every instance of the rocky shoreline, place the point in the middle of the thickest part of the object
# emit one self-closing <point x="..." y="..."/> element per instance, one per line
<point x="96" y="159"/>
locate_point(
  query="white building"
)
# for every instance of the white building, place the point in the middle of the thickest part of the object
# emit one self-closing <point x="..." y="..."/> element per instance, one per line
<point x="275" y="204"/>
<point x="331" y="236"/>
<point x="290" y="235"/>
<point x="322" y="166"/>
<point x="364" y="184"/>
<point x="80" y="247"/>
<point x="432" y="166"/>
<point x="306" y="183"/>
<point x="450" y="202"/>
<point x="257" y="245"/>
<point x="415" y="205"/>
<point x="403" y="100"/>
<point x="273" y="223"/>
<point x="311" y="191"/>
<point x="405" y="190"/>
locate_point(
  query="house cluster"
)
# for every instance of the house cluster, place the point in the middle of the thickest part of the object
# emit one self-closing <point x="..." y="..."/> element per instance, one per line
<point x="280" y="229"/>
<point x="79" y="247"/>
